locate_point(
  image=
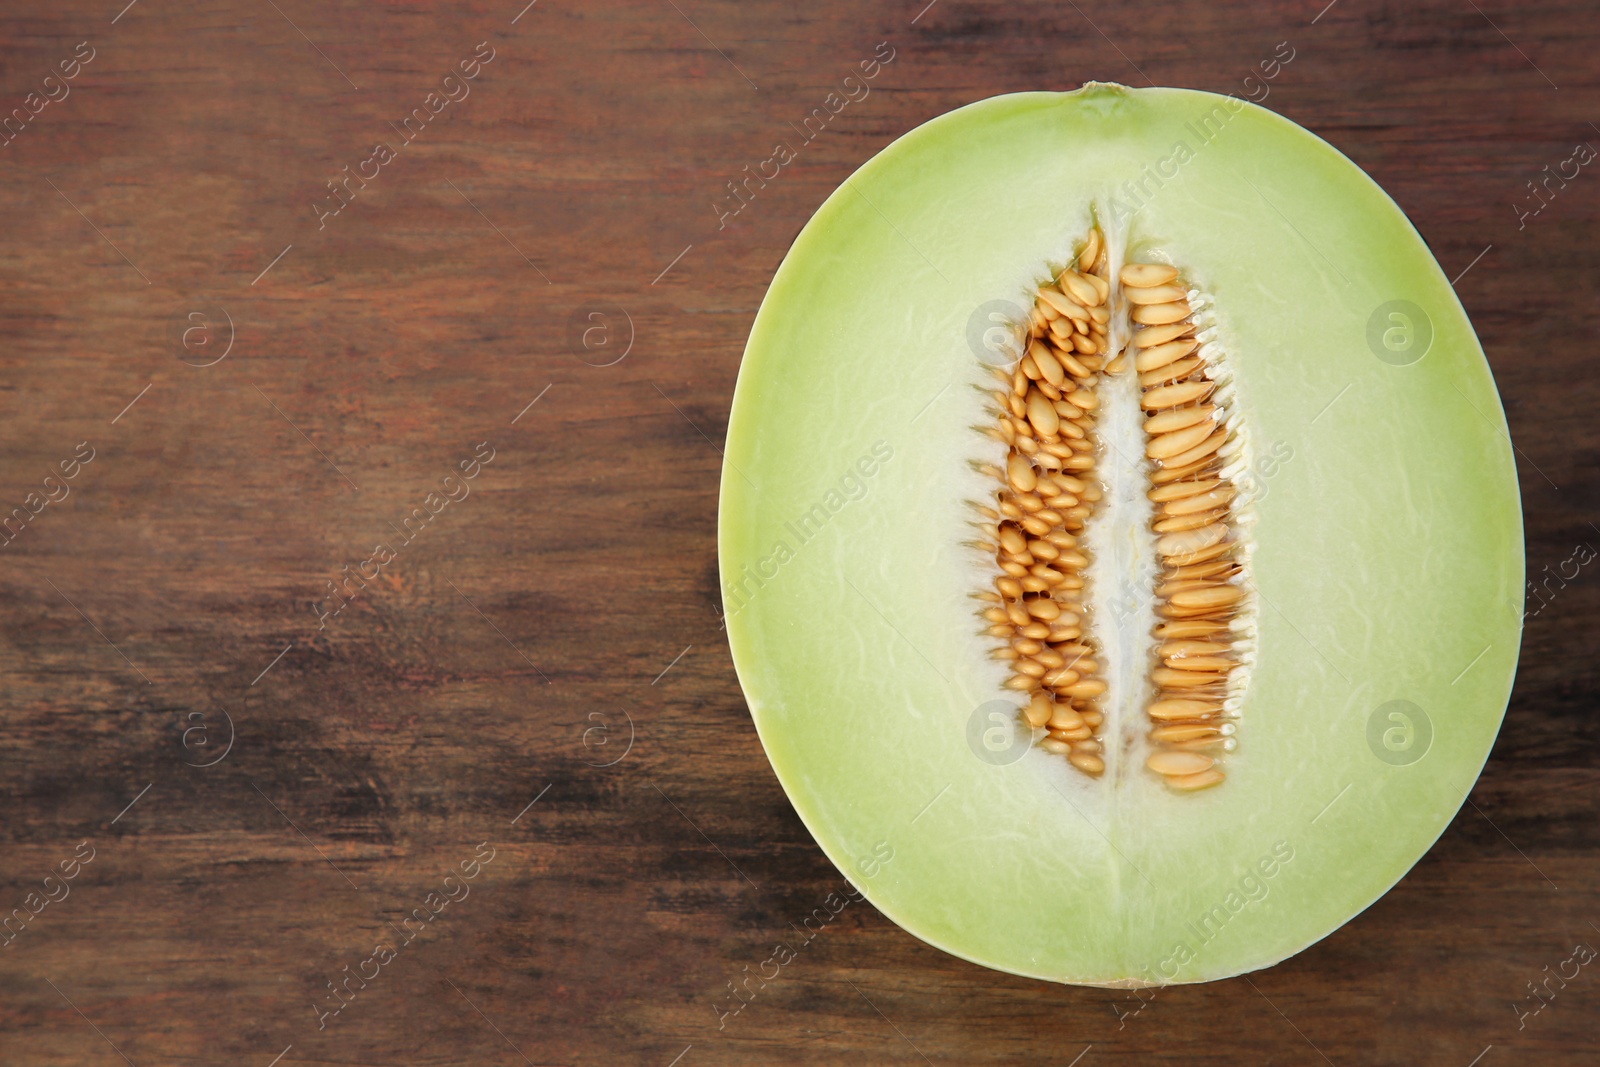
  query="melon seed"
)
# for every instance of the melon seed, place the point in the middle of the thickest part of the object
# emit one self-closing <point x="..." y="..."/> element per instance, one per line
<point x="1047" y="493"/>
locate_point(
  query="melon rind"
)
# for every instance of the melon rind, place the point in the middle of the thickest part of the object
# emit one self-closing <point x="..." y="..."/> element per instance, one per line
<point x="1387" y="560"/>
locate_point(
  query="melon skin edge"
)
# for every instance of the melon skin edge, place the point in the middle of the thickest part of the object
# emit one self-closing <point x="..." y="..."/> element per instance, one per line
<point x="1390" y="542"/>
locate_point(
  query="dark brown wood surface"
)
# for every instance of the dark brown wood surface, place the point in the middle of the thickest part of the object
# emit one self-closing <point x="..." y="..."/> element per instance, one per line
<point x="497" y="661"/>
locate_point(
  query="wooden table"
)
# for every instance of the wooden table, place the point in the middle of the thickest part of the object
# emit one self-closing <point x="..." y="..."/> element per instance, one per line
<point x="479" y="689"/>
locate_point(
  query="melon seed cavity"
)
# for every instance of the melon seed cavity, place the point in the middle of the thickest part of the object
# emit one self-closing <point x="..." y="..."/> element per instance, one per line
<point x="1039" y="605"/>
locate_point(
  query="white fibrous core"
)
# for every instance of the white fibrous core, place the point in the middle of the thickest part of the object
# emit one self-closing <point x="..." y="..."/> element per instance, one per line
<point x="1122" y="595"/>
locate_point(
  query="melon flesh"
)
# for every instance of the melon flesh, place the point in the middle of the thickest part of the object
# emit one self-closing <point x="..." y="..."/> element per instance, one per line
<point x="1386" y="549"/>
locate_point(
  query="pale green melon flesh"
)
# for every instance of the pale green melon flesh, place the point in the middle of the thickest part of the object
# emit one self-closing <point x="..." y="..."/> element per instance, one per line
<point x="1387" y="552"/>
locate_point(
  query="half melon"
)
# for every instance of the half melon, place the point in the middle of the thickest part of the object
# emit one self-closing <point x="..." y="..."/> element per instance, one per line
<point x="1119" y="536"/>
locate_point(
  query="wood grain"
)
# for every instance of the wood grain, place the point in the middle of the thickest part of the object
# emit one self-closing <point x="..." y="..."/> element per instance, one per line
<point x="500" y="656"/>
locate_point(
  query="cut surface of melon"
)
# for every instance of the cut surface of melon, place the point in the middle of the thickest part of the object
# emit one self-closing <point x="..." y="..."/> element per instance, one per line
<point x="1242" y="790"/>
